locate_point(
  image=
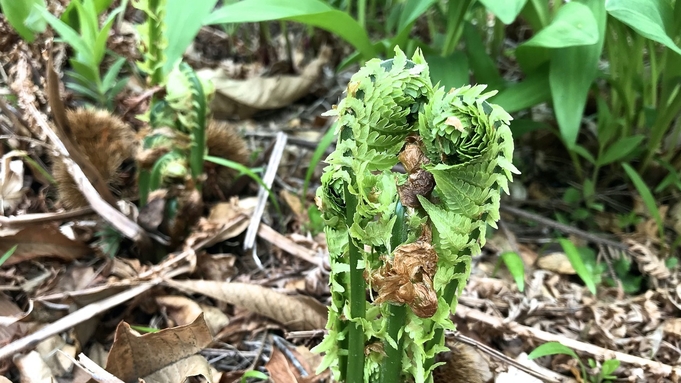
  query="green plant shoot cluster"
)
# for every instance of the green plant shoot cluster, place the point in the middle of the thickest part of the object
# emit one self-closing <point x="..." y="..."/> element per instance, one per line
<point x="469" y="148"/>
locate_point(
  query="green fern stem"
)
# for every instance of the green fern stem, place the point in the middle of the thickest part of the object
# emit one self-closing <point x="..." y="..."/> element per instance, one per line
<point x="156" y="25"/>
<point x="391" y="368"/>
<point x="198" y="146"/>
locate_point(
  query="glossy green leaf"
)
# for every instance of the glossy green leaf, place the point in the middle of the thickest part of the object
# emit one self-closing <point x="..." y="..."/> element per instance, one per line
<point x="572" y="72"/>
<point x="537" y="13"/>
<point x="112" y="73"/>
<point x="310" y="12"/>
<point x="584" y="153"/>
<point x="533" y="90"/>
<point x="620" y="149"/>
<point x="650" y="18"/>
<point x="190" y="15"/>
<point x="578" y="264"/>
<point x="450" y="71"/>
<point x="506" y="10"/>
<point x="17" y="11"/>
<point x="522" y="126"/>
<point x="412" y="10"/>
<point x="573" y="25"/>
<point x="646" y="195"/>
<point x="482" y="65"/>
<point x="515" y="266"/>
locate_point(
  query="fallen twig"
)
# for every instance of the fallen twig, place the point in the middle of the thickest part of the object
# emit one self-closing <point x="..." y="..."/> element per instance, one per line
<point x="656" y="368"/>
<point x="564" y="228"/>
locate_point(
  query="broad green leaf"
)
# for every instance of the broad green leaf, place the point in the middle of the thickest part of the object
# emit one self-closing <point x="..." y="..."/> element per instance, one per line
<point x="412" y="10"/>
<point x="310" y="12"/>
<point x="82" y="90"/>
<point x="515" y="266"/>
<point x="110" y="76"/>
<point x="572" y="71"/>
<point x="573" y="25"/>
<point x="607" y="129"/>
<point x="584" y="152"/>
<point x="190" y="15"/>
<point x="620" y="149"/>
<point x="552" y="348"/>
<point x="533" y="90"/>
<point x="537" y="14"/>
<point x="99" y="47"/>
<point x="484" y="68"/>
<point x="650" y="18"/>
<point x="646" y="195"/>
<point x="87" y="22"/>
<point x="450" y="71"/>
<point x="506" y="10"/>
<point x="578" y="264"/>
<point x="609" y="366"/>
<point x="523" y="126"/>
<point x="17" y="11"/>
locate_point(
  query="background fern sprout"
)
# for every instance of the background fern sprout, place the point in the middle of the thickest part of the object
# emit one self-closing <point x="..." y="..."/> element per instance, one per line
<point x="408" y="237"/>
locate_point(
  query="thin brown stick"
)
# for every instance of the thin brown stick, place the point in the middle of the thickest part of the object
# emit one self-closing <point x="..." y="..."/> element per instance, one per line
<point x="499" y="356"/>
<point x="657" y="368"/>
<point x="564" y="228"/>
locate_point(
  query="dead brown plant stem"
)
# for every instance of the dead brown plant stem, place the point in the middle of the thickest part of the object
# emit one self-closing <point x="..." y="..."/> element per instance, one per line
<point x="600" y="352"/>
<point x="564" y="228"/>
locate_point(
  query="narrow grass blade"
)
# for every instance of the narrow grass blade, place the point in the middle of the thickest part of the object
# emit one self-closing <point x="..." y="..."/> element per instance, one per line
<point x="578" y="264"/>
<point x="646" y="195"/>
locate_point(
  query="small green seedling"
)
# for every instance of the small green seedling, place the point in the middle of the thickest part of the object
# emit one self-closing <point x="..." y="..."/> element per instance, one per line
<point x="606" y="370"/>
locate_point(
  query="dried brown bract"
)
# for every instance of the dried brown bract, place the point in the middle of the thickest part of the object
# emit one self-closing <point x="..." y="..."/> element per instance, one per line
<point x="419" y="182"/>
<point x="407" y="278"/>
<point x="106" y="142"/>
<point x="222" y="140"/>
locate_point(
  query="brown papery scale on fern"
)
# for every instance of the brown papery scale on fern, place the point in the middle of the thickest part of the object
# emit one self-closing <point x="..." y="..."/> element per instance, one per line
<point x="407" y="278"/>
<point x="419" y="181"/>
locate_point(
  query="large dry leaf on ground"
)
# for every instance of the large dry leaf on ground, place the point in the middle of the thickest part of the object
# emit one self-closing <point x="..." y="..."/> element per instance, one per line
<point x="183" y="311"/>
<point x="41" y="241"/>
<point x="296" y="313"/>
<point x="280" y="369"/>
<point x="10" y="312"/>
<point x="245" y="97"/>
<point x="134" y="356"/>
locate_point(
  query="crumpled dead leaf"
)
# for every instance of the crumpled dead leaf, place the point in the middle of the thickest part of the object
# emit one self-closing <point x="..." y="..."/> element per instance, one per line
<point x="183" y="311"/>
<point x="408" y="277"/>
<point x="41" y="241"/>
<point x="297" y="313"/>
<point x="12" y="188"/>
<point x="166" y="356"/>
<point x="243" y="98"/>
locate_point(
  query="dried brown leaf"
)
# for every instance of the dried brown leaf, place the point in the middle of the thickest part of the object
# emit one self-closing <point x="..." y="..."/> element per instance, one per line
<point x="134" y="356"/>
<point x="296" y="313"/>
<point x="245" y="97"/>
<point x="280" y="369"/>
<point x="183" y="311"/>
<point x="557" y="262"/>
<point x="178" y="372"/>
<point x="41" y="241"/>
